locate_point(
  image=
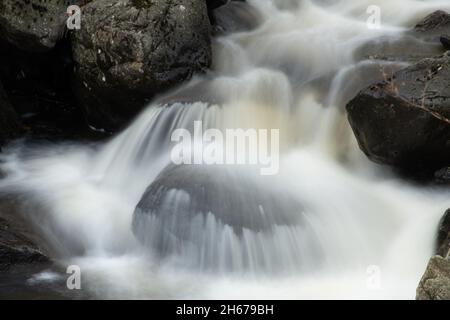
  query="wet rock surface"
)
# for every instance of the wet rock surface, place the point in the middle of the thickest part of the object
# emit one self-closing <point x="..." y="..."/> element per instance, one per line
<point x="404" y="120"/>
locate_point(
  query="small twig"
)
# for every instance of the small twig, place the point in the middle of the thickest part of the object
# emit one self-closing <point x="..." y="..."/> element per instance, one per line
<point x="392" y="87"/>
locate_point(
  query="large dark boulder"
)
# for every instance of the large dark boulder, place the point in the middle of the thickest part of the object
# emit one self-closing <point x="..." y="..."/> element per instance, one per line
<point x="443" y="239"/>
<point x="130" y="50"/>
<point x="199" y="210"/>
<point x="404" y="120"/>
<point x="435" y="283"/>
<point x="33" y="25"/>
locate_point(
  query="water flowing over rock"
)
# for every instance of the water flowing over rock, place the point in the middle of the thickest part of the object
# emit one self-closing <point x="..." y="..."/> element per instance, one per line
<point x="435" y="283"/>
<point x="211" y="213"/>
<point x="322" y="227"/>
<point x="127" y="51"/>
<point x="404" y="121"/>
<point x="33" y="25"/>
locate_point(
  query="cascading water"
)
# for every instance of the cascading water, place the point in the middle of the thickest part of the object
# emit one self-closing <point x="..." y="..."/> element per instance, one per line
<point x="327" y="218"/>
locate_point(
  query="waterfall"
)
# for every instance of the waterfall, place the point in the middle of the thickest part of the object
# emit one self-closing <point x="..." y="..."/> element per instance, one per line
<point x="317" y="229"/>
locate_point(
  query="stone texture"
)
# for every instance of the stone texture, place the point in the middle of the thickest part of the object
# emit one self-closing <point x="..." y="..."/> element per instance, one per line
<point x="435" y="283"/>
<point x="33" y="25"/>
<point x="404" y="121"/>
<point x="128" y="51"/>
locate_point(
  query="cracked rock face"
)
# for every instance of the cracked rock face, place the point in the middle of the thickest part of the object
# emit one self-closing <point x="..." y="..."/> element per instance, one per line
<point x="129" y="50"/>
<point x="33" y="25"/>
<point x="435" y="283"/>
<point x="404" y="121"/>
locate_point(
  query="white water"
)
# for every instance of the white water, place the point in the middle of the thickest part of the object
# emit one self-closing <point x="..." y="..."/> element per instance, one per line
<point x="358" y="214"/>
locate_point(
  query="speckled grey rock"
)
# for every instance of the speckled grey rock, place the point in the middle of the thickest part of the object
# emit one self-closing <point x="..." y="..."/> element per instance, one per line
<point x="435" y="283"/>
<point x="127" y="51"/>
<point x="33" y="25"/>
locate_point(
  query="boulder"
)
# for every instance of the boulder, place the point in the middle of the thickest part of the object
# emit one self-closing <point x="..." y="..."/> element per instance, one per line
<point x="128" y="51"/>
<point x="233" y="198"/>
<point x="433" y="26"/>
<point x="435" y="283"/>
<point x="199" y="212"/>
<point x="33" y="25"/>
<point x="404" y="120"/>
<point x="443" y="239"/>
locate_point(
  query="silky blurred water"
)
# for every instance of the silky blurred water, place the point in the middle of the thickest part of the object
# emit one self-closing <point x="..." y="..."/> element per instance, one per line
<point x="293" y="73"/>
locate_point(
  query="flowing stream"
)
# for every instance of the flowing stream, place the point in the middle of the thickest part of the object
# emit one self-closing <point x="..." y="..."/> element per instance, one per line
<point x="363" y="232"/>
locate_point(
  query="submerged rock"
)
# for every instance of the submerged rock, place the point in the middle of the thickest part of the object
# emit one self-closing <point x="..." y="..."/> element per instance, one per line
<point x="406" y="48"/>
<point x="233" y="198"/>
<point x="19" y="244"/>
<point x="443" y="240"/>
<point x="127" y="51"/>
<point x="435" y="283"/>
<point x="404" y="121"/>
<point x="202" y="212"/>
<point x="33" y="25"/>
